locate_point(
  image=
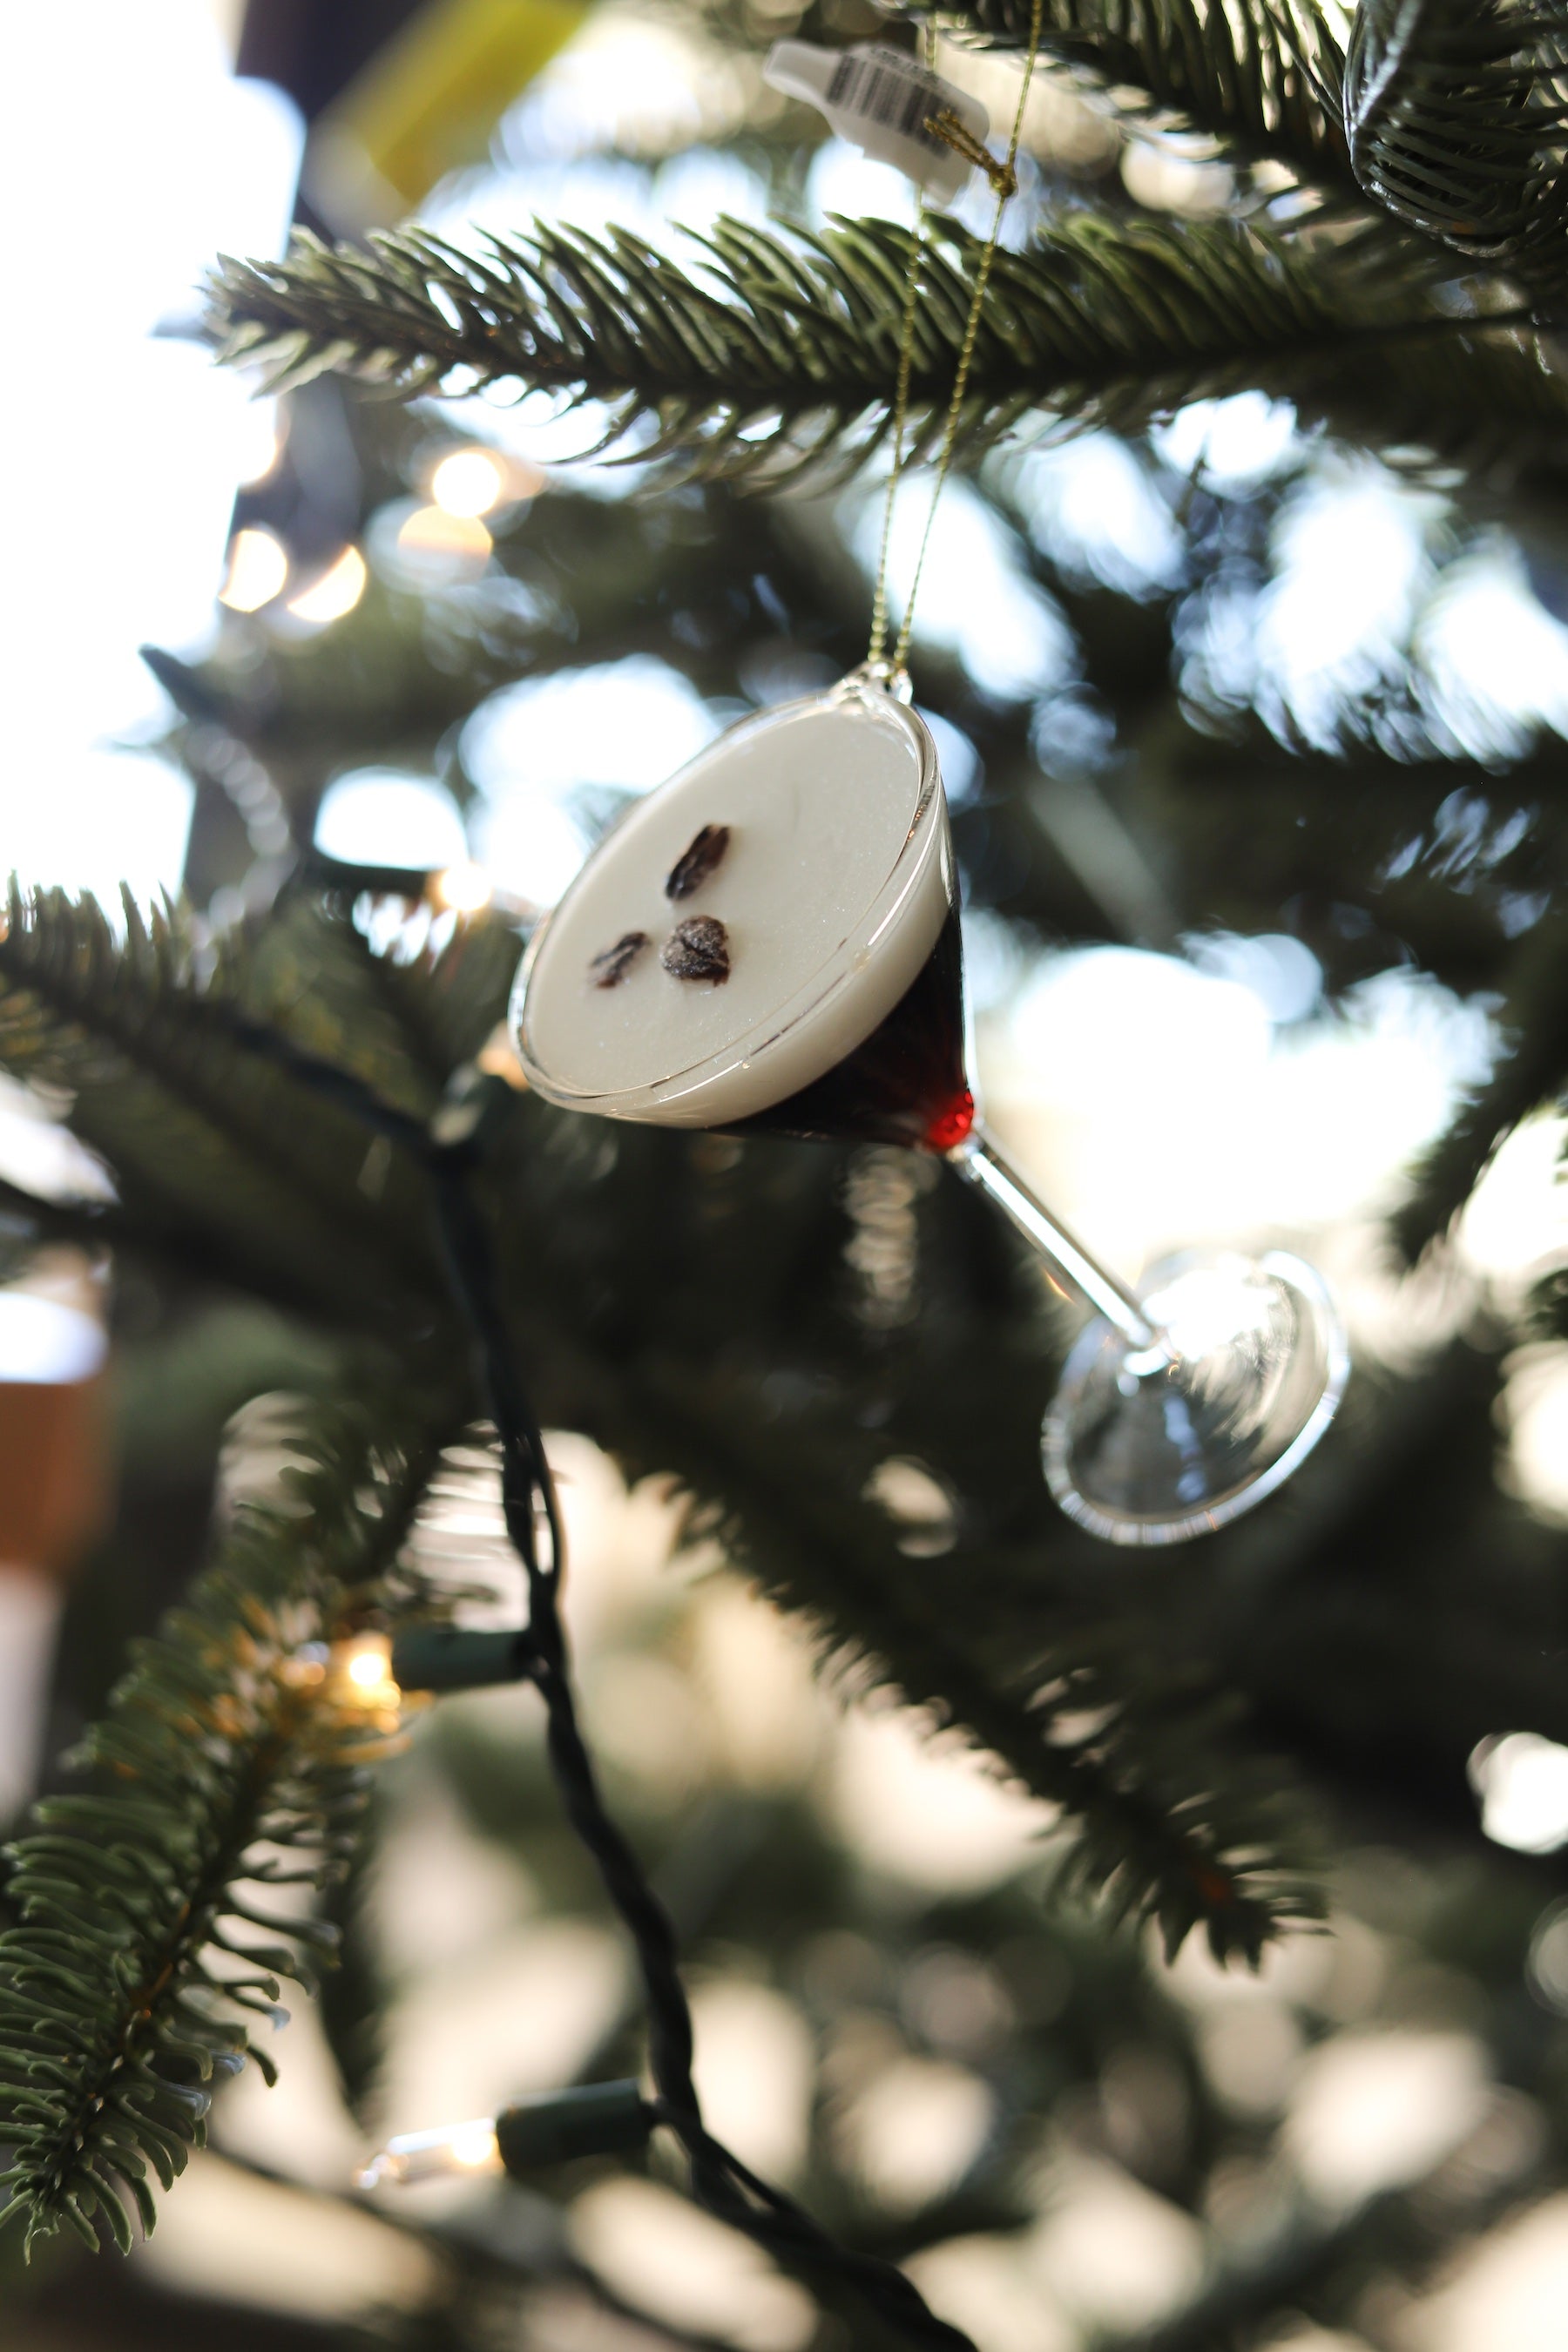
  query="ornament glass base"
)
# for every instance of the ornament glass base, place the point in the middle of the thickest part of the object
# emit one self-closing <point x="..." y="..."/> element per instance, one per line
<point x="770" y="943"/>
<point x="1148" y="1445"/>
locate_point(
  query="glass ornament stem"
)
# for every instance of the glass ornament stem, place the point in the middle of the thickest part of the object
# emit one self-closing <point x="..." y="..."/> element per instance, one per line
<point x="980" y="1163"/>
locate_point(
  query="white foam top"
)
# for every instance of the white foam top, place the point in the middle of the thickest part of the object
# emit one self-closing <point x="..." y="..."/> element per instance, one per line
<point x="832" y="892"/>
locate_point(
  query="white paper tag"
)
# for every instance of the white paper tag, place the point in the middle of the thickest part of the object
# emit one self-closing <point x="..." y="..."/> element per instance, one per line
<point x="883" y="102"/>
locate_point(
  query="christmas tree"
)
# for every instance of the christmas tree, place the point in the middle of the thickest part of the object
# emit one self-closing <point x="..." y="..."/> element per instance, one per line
<point x="1261" y="263"/>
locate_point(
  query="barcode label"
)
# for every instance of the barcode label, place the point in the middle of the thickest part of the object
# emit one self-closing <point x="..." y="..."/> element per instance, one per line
<point x="885" y="88"/>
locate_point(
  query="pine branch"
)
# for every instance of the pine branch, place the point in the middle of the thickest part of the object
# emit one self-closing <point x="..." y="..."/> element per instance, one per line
<point x="220" y="1770"/>
<point x="1261" y="77"/>
<point x="777" y="354"/>
<point x="1458" y="126"/>
<point x="668" y="1320"/>
<point x="213" y="1150"/>
<point x="1531" y="1073"/>
<point x="1091" y="1715"/>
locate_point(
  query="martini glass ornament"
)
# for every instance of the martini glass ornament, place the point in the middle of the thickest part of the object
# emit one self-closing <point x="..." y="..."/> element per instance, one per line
<point x="770" y="943"/>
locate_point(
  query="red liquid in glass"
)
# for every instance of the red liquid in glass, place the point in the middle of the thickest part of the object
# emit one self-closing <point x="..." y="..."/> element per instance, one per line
<point x="905" y="1083"/>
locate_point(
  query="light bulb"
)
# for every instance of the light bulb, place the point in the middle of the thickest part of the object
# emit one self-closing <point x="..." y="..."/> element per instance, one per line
<point x="356" y="1672"/>
<point x="461" y="889"/>
<point x="451" y="2150"/>
<point x="359" y="1672"/>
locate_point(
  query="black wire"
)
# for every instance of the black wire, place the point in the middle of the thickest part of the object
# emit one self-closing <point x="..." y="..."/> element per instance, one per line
<point x="719" y="2181"/>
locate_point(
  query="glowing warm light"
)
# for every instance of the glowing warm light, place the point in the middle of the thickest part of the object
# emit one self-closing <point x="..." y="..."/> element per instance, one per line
<point x="462" y="889"/>
<point x="470" y="482"/>
<point x="1521" y="1780"/>
<point x="433" y="2156"/>
<point x="257" y="568"/>
<point x="337" y="591"/>
<point x="454" y="542"/>
<point x="358" y="1673"/>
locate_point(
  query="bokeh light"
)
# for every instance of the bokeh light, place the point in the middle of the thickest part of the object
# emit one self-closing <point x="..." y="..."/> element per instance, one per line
<point x="469" y="482"/>
<point x="337" y="591"/>
<point x="258" y="571"/>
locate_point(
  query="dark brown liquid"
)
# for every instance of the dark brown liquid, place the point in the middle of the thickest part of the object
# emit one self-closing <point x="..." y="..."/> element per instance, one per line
<point x="906" y="1084"/>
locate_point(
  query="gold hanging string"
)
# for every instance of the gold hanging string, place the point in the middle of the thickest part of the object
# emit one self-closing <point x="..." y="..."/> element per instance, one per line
<point x="1004" y="180"/>
<point x="953" y="133"/>
<point x="901" y="390"/>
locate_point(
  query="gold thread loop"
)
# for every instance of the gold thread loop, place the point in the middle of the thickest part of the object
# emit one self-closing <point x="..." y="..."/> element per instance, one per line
<point x="901" y="415"/>
<point x="1004" y="178"/>
<point x="953" y="133"/>
<point x="900" y="396"/>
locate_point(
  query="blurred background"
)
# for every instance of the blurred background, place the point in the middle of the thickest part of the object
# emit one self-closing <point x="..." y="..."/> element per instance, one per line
<point x="1254" y="745"/>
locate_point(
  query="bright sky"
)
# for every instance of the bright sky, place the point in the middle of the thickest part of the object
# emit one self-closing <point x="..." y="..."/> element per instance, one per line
<point x="135" y="158"/>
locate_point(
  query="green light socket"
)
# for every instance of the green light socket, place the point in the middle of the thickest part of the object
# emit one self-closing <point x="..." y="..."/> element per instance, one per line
<point x="449" y="1658"/>
<point x="599" y="2119"/>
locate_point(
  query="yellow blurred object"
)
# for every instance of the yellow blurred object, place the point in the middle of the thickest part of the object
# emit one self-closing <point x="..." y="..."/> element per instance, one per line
<point x="427" y="101"/>
<point x="337" y="591"/>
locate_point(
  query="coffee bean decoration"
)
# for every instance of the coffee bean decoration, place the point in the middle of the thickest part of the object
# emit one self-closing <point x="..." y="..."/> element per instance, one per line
<point x="698" y="948"/>
<point x="697" y="861"/>
<point x="608" y="970"/>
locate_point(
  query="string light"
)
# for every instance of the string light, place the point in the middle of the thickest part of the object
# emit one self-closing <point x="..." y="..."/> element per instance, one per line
<point x="450" y="2149"/>
<point x="593" y="2119"/>
<point x="354" y="1672"/>
<point x="461" y="889"/>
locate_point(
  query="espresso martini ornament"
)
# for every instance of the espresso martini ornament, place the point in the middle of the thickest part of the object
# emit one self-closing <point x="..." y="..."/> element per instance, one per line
<point x="771" y="944"/>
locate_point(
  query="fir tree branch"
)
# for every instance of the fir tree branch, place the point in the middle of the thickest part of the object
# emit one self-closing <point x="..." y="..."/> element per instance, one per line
<point x="777" y="354"/>
<point x="1260" y="78"/>
<point x="1090" y="1714"/>
<point x="1445" y="116"/>
<point x="1458" y="126"/>
<point x="1007" y="1638"/>
<point x="212" y="1149"/>
<point x="1531" y="1073"/>
<point x="220" y="1770"/>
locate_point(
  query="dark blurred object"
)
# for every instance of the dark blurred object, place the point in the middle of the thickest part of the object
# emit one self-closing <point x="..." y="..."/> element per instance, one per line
<point x="313" y="48"/>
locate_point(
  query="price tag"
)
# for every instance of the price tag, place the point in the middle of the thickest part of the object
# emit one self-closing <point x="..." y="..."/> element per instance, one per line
<point x="885" y="104"/>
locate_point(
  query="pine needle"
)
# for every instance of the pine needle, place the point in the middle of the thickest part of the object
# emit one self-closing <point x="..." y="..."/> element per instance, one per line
<point x="1458" y="126"/>
<point x="1260" y="78"/>
<point x="777" y="354"/>
<point x="223" y="1769"/>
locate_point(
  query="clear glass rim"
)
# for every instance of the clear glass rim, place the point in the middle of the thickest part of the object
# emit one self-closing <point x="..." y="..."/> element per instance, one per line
<point x="921" y="841"/>
<point x="1127" y="1528"/>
